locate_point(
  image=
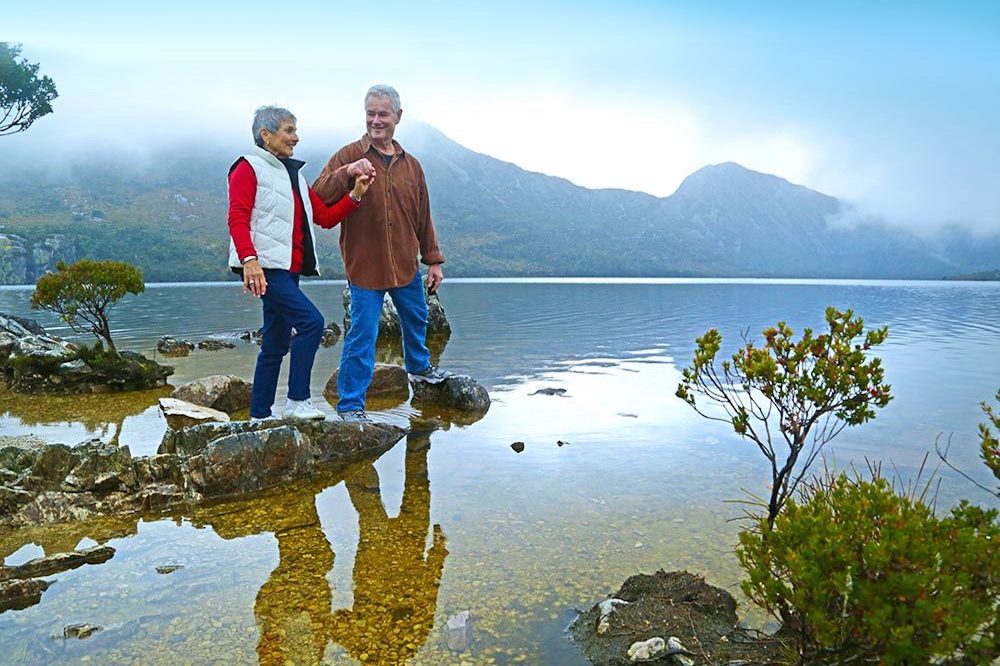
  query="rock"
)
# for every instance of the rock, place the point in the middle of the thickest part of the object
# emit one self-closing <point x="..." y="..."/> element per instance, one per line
<point x="103" y="468"/>
<point x="80" y="631"/>
<point x="215" y="344"/>
<point x="388" y="325"/>
<point x="168" y="568"/>
<point x="679" y="605"/>
<point x="607" y="607"/>
<point x="11" y="499"/>
<point x="53" y="465"/>
<point x="331" y="333"/>
<point x="517" y="446"/>
<point x="160" y="468"/>
<point x="169" y="346"/>
<point x="388" y="380"/>
<point x="226" y="393"/>
<point x="678" y="653"/>
<point x="252" y="336"/>
<point x="550" y="391"/>
<point x="460" y="393"/>
<point x="52" y="564"/>
<point x="17" y="594"/>
<point x="458" y="631"/>
<point x="647" y="650"/>
<point x="54" y="366"/>
<point x="181" y="414"/>
<point x="249" y="461"/>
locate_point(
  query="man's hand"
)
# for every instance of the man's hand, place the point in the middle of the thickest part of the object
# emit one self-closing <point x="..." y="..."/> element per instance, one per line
<point x="360" y="168"/>
<point x="435" y="276"/>
<point x="253" y="278"/>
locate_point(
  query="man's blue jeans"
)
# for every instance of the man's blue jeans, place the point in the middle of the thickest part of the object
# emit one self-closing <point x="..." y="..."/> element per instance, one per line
<point x="357" y="363"/>
<point x="285" y="306"/>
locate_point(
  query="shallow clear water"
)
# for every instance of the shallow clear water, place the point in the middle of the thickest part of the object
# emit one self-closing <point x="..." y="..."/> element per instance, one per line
<point x="368" y="563"/>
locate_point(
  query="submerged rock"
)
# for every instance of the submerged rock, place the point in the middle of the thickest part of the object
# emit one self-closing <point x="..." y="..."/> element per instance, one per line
<point x="165" y="569"/>
<point x="458" y="631"/>
<point x="550" y="391"/>
<point x="226" y="393"/>
<point x="80" y="631"/>
<point x="517" y="446"/>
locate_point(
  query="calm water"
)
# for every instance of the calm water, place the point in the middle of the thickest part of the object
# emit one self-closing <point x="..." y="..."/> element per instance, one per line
<point x="367" y="564"/>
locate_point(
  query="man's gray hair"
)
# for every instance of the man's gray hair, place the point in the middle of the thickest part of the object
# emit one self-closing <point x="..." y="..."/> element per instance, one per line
<point x="269" y="118"/>
<point x="382" y="90"/>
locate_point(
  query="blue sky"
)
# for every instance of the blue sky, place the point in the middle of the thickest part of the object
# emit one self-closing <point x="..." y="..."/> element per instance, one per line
<point x="892" y="106"/>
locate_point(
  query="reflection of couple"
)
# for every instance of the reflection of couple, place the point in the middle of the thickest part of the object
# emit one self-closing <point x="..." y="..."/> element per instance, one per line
<point x="396" y="578"/>
<point x="271" y="213"/>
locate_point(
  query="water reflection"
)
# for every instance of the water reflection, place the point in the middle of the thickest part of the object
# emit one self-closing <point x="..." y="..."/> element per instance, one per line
<point x="395" y="578"/>
<point x="69" y="419"/>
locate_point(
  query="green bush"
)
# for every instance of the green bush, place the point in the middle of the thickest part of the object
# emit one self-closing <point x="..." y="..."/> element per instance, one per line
<point x="859" y="573"/>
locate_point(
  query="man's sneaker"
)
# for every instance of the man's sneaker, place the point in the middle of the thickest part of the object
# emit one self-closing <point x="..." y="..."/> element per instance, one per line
<point x="301" y="409"/>
<point x="431" y="375"/>
<point x="355" y="416"/>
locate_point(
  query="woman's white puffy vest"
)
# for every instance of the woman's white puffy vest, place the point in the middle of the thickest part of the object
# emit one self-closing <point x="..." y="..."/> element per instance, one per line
<point x="273" y="215"/>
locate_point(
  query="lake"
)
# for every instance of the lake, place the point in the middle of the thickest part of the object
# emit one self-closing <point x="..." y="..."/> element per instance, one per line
<point x="368" y="563"/>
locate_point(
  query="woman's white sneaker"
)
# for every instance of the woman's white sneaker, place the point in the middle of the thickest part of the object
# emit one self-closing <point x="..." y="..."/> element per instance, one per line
<point x="302" y="409"/>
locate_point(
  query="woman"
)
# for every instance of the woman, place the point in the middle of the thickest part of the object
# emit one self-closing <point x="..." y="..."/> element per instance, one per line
<point x="271" y="212"/>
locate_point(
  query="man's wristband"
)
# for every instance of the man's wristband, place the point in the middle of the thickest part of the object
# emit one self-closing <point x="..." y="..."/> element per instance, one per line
<point x="252" y="257"/>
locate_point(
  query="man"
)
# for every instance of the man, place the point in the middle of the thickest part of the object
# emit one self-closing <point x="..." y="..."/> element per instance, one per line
<point x="380" y="243"/>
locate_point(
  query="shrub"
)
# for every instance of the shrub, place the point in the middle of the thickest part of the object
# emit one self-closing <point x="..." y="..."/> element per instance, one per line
<point x="859" y="572"/>
<point x="790" y="397"/>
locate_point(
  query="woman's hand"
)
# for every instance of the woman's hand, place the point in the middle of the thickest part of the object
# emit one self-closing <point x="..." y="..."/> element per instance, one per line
<point x="253" y="278"/>
<point x="361" y="185"/>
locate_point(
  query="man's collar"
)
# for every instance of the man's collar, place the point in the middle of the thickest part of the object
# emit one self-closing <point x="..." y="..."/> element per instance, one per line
<point x="366" y="145"/>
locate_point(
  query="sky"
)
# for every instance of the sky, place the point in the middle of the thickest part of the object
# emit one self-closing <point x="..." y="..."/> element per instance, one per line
<point x="891" y="106"/>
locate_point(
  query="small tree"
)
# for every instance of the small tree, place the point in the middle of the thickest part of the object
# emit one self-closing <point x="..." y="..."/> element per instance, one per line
<point x="792" y="394"/>
<point x="83" y="293"/>
<point x="24" y="98"/>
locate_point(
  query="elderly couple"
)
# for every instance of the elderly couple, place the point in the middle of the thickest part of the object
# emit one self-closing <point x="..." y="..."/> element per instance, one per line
<point x="378" y="191"/>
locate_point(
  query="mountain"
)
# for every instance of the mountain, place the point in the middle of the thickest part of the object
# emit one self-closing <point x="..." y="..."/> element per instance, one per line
<point x="167" y="214"/>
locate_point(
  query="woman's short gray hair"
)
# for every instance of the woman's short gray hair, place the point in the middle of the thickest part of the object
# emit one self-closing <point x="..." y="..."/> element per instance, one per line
<point x="382" y="90"/>
<point x="269" y="118"/>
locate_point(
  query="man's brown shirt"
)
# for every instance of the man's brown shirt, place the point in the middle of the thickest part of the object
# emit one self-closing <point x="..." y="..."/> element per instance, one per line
<point x="381" y="239"/>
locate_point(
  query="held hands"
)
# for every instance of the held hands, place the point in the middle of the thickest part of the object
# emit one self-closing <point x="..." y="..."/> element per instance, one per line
<point x="360" y="168"/>
<point x="253" y="278"/>
<point x="361" y="185"/>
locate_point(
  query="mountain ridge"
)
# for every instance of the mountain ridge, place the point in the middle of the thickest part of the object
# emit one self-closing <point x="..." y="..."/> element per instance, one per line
<point x="493" y="217"/>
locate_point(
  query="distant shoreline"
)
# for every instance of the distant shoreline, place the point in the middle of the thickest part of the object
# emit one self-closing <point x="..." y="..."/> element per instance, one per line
<point x="603" y="280"/>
